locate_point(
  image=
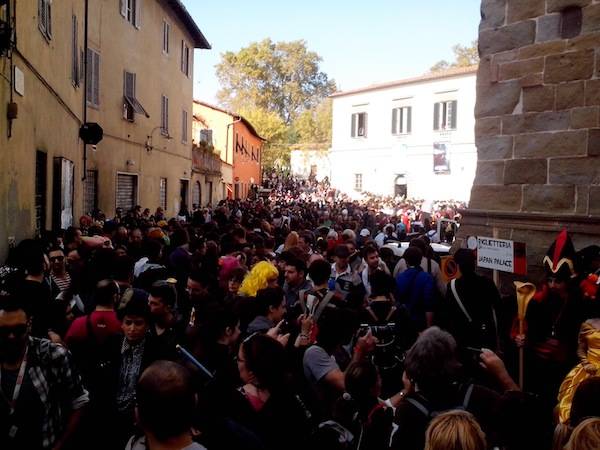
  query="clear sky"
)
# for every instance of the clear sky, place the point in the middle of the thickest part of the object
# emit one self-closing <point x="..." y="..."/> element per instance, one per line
<point x="361" y="42"/>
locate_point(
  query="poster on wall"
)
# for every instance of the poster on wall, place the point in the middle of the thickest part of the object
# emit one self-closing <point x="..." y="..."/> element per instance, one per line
<point x="441" y="157"/>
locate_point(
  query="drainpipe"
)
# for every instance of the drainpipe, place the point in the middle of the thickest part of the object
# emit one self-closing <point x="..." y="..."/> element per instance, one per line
<point x="227" y="139"/>
<point x="85" y="83"/>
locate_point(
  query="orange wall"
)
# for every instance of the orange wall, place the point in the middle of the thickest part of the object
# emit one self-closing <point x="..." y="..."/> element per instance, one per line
<point x="245" y="167"/>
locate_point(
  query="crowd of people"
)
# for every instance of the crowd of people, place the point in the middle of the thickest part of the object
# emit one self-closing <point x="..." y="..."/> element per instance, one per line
<point x="287" y="322"/>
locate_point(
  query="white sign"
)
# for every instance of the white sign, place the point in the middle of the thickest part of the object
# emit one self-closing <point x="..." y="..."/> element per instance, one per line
<point x="19" y="81"/>
<point x="495" y="254"/>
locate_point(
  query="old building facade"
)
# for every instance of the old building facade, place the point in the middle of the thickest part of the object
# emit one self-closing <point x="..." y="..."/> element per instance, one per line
<point x="238" y="143"/>
<point x="537" y="128"/>
<point x="122" y="78"/>
<point x="411" y="137"/>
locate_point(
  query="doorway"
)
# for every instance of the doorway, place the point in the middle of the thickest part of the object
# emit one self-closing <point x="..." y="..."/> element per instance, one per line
<point x="400" y="186"/>
<point x="183" y="193"/>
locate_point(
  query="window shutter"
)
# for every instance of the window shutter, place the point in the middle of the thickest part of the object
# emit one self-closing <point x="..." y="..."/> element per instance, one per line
<point x="124" y="8"/>
<point x="402" y="117"/>
<point x="454" y="105"/>
<point x="48" y="18"/>
<point x="394" y="120"/>
<point x="96" y="91"/>
<point x="75" y="52"/>
<point x="89" y="86"/>
<point x="365" y="125"/>
<point x="436" y="116"/>
<point x="353" y="126"/>
<point x="138" y="14"/>
<point x="182" y="55"/>
<point x="409" y="120"/>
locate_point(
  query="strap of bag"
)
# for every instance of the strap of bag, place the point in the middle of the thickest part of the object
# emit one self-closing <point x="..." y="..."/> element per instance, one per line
<point x="322" y="305"/>
<point x="417" y="404"/>
<point x="302" y="300"/>
<point x="467" y="398"/>
<point x="458" y="300"/>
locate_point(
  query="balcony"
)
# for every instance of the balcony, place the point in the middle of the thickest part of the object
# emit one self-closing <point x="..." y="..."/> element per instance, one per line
<point x="205" y="160"/>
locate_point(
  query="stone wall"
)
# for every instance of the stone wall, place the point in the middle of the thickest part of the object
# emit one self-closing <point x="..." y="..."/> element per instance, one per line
<point x="537" y="124"/>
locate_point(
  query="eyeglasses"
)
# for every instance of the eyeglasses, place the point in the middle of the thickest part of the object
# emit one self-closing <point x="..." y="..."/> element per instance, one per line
<point x="18" y="331"/>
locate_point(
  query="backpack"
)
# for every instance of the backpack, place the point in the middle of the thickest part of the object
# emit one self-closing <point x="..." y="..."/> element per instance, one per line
<point x="423" y="407"/>
<point x="479" y="326"/>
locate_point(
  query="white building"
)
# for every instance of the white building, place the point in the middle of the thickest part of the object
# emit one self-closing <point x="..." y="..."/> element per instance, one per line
<point x="410" y="137"/>
<point x="305" y="163"/>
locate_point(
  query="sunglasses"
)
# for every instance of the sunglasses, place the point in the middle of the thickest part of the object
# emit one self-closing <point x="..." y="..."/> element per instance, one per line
<point x="18" y="331"/>
<point x="57" y="258"/>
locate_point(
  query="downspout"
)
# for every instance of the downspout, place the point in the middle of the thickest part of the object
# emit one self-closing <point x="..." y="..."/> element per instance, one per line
<point x="239" y="119"/>
<point x="85" y="83"/>
<point x="227" y="140"/>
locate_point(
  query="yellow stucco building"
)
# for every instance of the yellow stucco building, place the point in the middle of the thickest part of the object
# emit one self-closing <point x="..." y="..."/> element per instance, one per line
<point x="135" y="80"/>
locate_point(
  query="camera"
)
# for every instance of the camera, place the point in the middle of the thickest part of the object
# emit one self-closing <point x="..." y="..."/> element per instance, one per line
<point x="381" y="332"/>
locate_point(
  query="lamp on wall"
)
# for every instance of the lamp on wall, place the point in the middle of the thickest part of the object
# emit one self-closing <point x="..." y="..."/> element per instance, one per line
<point x="149" y="146"/>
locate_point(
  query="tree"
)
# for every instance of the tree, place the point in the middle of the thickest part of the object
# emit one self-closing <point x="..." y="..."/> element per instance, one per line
<point x="464" y="56"/>
<point x="314" y="126"/>
<point x="282" y="77"/>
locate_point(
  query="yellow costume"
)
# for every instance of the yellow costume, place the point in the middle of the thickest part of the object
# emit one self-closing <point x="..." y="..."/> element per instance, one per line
<point x="589" y="355"/>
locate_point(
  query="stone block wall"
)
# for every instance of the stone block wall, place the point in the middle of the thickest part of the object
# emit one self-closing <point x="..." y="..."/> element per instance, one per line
<point x="537" y="123"/>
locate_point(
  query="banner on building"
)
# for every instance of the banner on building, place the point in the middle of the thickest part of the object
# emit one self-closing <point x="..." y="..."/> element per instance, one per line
<point x="441" y="157"/>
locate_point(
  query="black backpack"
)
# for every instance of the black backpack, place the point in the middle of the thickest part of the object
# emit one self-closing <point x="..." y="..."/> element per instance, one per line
<point x="422" y="405"/>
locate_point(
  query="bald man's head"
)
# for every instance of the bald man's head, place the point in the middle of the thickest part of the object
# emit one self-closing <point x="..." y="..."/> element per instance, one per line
<point x="165" y="400"/>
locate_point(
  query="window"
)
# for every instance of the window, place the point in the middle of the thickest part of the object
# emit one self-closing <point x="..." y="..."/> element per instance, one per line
<point x="131" y="104"/>
<point x="359" y="124"/>
<point x="126" y="195"/>
<point x="166" y="33"/>
<point x="93" y="78"/>
<point x="206" y="136"/>
<point x="444" y="115"/>
<point x="163" y="193"/>
<point x="402" y="120"/>
<point x="90" y="191"/>
<point x="184" y="126"/>
<point x="131" y="11"/>
<point x="74" y="52"/>
<point x="185" y="58"/>
<point x="164" y="115"/>
<point x="45" y="18"/>
<point x="358" y="182"/>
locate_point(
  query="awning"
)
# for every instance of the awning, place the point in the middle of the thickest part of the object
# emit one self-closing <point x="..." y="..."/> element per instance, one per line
<point x="136" y="105"/>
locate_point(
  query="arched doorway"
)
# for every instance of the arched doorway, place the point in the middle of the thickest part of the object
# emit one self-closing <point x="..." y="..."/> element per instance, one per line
<point x="400" y="186"/>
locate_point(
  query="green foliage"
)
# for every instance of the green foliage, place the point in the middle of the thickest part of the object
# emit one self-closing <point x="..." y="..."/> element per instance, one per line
<point x="464" y="56"/>
<point x="282" y="77"/>
<point x="314" y="126"/>
<point x="280" y="90"/>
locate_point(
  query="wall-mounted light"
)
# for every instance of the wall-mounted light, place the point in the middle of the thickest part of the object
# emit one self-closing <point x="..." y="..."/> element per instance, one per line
<point x="149" y="146"/>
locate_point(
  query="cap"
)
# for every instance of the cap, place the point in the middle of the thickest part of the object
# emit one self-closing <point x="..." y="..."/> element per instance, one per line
<point x="365" y="232"/>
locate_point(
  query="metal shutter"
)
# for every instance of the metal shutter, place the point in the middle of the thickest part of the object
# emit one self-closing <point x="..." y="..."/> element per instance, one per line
<point x="126" y="191"/>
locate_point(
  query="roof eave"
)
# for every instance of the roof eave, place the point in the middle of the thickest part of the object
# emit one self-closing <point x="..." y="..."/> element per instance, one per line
<point x="192" y="27"/>
<point x="421" y="79"/>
